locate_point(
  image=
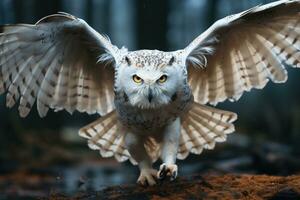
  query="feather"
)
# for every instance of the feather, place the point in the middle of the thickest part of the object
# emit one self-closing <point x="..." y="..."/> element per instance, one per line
<point x="202" y="127"/>
<point x="250" y="49"/>
<point x="104" y="135"/>
<point x="65" y="49"/>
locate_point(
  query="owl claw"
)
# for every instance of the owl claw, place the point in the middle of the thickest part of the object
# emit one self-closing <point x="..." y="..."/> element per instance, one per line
<point x="147" y="177"/>
<point x="162" y="172"/>
<point x="174" y="175"/>
<point x="165" y="171"/>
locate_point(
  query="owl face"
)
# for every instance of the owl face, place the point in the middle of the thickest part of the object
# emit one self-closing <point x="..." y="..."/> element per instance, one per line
<point x="149" y="79"/>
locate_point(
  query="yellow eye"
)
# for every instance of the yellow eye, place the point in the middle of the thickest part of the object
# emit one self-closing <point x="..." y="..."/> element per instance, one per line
<point x="137" y="79"/>
<point x="163" y="79"/>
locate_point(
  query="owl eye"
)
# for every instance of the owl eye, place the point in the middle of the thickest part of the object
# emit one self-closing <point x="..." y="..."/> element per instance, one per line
<point x="163" y="79"/>
<point x="137" y="79"/>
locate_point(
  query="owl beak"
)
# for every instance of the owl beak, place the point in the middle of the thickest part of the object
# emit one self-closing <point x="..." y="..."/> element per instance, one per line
<point x="150" y="95"/>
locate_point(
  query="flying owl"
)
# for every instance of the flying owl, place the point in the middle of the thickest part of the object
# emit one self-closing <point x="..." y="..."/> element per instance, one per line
<point x="152" y="103"/>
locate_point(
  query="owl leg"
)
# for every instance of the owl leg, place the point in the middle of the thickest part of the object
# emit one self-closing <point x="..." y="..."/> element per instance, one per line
<point x="169" y="151"/>
<point x="135" y="146"/>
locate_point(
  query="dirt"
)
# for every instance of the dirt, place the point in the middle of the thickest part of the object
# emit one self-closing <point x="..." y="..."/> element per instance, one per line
<point x="227" y="187"/>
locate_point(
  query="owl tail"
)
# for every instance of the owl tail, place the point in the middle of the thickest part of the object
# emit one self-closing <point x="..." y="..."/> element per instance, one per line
<point x="105" y="135"/>
<point x="202" y="127"/>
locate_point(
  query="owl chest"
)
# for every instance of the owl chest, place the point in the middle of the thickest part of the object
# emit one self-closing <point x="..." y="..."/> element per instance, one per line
<point x="151" y="119"/>
<point x="146" y="119"/>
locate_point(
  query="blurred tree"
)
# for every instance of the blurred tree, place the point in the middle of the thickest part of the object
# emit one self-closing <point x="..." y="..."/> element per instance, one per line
<point x="152" y="24"/>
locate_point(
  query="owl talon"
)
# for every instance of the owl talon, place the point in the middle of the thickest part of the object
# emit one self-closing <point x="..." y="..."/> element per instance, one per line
<point x="162" y="172"/>
<point x="174" y="175"/>
<point x="167" y="171"/>
<point x="147" y="177"/>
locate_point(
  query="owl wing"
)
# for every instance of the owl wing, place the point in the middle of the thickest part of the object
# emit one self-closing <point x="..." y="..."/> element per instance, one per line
<point x="55" y="62"/>
<point x="244" y="51"/>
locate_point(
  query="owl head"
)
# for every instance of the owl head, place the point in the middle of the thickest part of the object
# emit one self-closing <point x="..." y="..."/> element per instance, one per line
<point x="150" y="78"/>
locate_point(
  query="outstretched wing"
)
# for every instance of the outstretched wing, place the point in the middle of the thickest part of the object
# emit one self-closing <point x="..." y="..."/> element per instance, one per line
<point x="244" y="51"/>
<point x="54" y="62"/>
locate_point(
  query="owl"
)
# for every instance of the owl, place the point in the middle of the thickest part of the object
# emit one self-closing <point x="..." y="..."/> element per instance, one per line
<point x="153" y="104"/>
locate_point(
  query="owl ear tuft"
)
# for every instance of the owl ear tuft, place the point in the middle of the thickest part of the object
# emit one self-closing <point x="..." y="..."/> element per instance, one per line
<point x="172" y="60"/>
<point x="127" y="60"/>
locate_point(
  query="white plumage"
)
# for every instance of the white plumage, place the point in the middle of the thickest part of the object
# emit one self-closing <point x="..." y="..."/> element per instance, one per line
<point x="151" y="102"/>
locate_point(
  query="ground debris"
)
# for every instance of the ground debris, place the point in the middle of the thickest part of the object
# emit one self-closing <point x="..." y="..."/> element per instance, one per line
<point x="254" y="187"/>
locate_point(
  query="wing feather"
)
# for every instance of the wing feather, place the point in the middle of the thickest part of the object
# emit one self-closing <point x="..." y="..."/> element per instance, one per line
<point x="202" y="128"/>
<point x="244" y="51"/>
<point x="55" y="63"/>
<point x="105" y="135"/>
